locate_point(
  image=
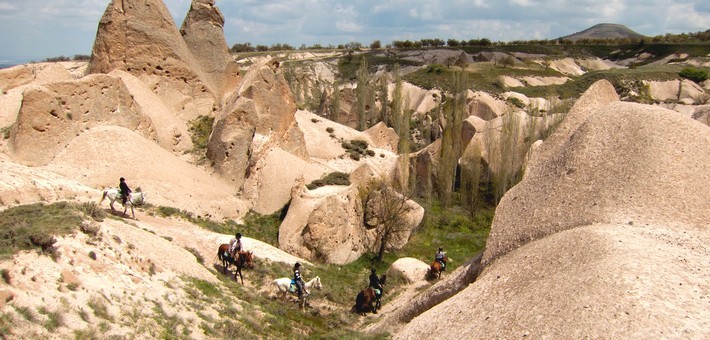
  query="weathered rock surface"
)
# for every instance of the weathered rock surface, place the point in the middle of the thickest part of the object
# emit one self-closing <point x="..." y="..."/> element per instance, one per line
<point x="100" y="155"/>
<point x="410" y="268"/>
<point x="260" y="115"/>
<point x="683" y="91"/>
<point x="53" y="114"/>
<point x="634" y="142"/>
<point x="593" y="281"/>
<point x="140" y="37"/>
<point x="573" y="237"/>
<point x="327" y="224"/>
<point x="203" y="32"/>
<point x="484" y="106"/>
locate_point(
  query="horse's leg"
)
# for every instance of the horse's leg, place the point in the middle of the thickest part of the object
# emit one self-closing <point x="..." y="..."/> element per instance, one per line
<point x="133" y="212"/>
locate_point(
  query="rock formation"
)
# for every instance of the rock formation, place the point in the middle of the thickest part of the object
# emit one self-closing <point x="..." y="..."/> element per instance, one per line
<point x="203" y="32"/>
<point x="330" y="224"/>
<point x="256" y="118"/>
<point x="572" y="246"/>
<point x="53" y="114"/>
<point x="140" y="37"/>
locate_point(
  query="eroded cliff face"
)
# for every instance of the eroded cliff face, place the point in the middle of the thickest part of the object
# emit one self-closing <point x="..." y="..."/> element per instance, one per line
<point x="203" y="32"/>
<point x="573" y="237"/>
<point x="258" y="116"/>
<point x="140" y="37"/>
<point x="53" y="114"/>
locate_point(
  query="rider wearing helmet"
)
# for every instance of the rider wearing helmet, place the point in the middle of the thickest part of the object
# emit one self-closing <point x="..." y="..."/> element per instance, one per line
<point x="298" y="279"/>
<point x="375" y="282"/>
<point x="441" y="258"/>
<point x="124" y="190"/>
<point x="235" y="245"/>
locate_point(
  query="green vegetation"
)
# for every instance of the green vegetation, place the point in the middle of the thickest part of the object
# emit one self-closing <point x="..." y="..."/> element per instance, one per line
<point x="261" y="227"/>
<point x="623" y="80"/>
<point x="333" y="178"/>
<point x="357" y="148"/>
<point x="34" y="226"/>
<point x="695" y="74"/>
<point x="200" y="129"/>
<point x="99" y="307"/>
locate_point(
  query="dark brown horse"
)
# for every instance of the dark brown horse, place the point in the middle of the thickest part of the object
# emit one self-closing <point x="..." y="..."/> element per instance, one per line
<point x="367" y="300"/>
<point x="436" y="268"/>
<point x="244" y="259"/>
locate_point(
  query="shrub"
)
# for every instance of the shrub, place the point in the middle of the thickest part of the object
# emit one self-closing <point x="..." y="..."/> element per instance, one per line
<point x="198" y="256"/>
<point x="695" y="74"/>
<point x="517" y="102"/>
<point x="333" y="178"/>
<point x="329" y="130"/>
<point x="93" y="210"/>
<point x="99" y="307"/>
<point x="6" y="276"/>
<point x="92" y="255"/>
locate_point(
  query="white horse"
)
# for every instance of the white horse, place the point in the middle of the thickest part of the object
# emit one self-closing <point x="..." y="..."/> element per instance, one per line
<point x="134" y="198"/>
<point x="284" y="286"/>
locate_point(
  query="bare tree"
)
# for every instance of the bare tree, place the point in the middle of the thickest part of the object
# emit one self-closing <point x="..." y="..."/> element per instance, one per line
<point x="386" y="210"/>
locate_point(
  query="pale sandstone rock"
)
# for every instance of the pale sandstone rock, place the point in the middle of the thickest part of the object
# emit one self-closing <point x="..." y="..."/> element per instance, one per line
<point x="601" y="274"/>
<point x="52" y="115"/>
<point x="327" y="224"/>
<point x="140" y="37"/>
<point x="258" y="116"/>
<point x="566" y="66"/>
<point x="171" y="131"/>
<point x="410" y="268"/>
<point x="509" y="81"/>
<point x="203" y="33"/>
<point x="598" y="177"/>
<point x="99" y="156"/>
<point x="383" y="137"/>
<point x="684" y="91"/>
<point x="484" y="106"/>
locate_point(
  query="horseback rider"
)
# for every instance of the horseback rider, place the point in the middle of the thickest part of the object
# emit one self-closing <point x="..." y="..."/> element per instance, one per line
<point x="235" y="245"/>
<point x="298" y="280"/>
<point x="123" y="190"/>
<point x="441" y="258"/>
<point x="375" y="283"/>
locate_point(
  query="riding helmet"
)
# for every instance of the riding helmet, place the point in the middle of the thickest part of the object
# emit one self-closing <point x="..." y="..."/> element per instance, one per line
<point x="298" y="264"/>
<point x="373" y="270"/>
<point x="441" y="248"/>
<point x="239" y="235"/>
<point x="122" y="179"/>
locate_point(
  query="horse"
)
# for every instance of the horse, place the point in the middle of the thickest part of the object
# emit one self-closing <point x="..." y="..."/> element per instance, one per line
<point x="285" y="286"/>
<point x="435" y="269"/>
<point x="367" y="300"/>
<point x="134" y="198"/>
<point x="244" y="259"/>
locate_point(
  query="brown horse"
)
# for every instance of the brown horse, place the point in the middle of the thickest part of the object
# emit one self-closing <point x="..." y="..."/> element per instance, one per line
<point x="367" y="300"/>
<point x="244" y="259"/>
<point x="435" y="269"/>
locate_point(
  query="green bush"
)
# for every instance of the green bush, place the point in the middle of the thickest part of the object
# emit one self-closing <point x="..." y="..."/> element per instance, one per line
<point x="333" y="178"/>
<point x="517" y="102"/>
<point x="695" y="74"/>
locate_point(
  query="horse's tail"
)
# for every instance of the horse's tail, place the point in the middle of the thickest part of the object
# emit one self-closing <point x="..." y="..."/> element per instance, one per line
<point x="103" y="197"/>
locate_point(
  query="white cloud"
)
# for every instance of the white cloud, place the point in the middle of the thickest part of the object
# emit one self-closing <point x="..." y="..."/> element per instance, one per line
<point x="4" y="6"/>
<point x="54" y="27"/>
<point x="348" y="26"/>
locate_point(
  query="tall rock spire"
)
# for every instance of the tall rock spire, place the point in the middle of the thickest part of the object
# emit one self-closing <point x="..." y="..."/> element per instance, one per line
<point x="203" y="32"/>
<point x="140" y="37"/>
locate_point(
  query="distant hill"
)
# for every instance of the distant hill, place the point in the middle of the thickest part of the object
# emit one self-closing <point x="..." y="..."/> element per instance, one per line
<point x="604" y="31"/>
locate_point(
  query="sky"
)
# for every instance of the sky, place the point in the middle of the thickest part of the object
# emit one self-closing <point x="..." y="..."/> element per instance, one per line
<point x="38" y="29"/>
